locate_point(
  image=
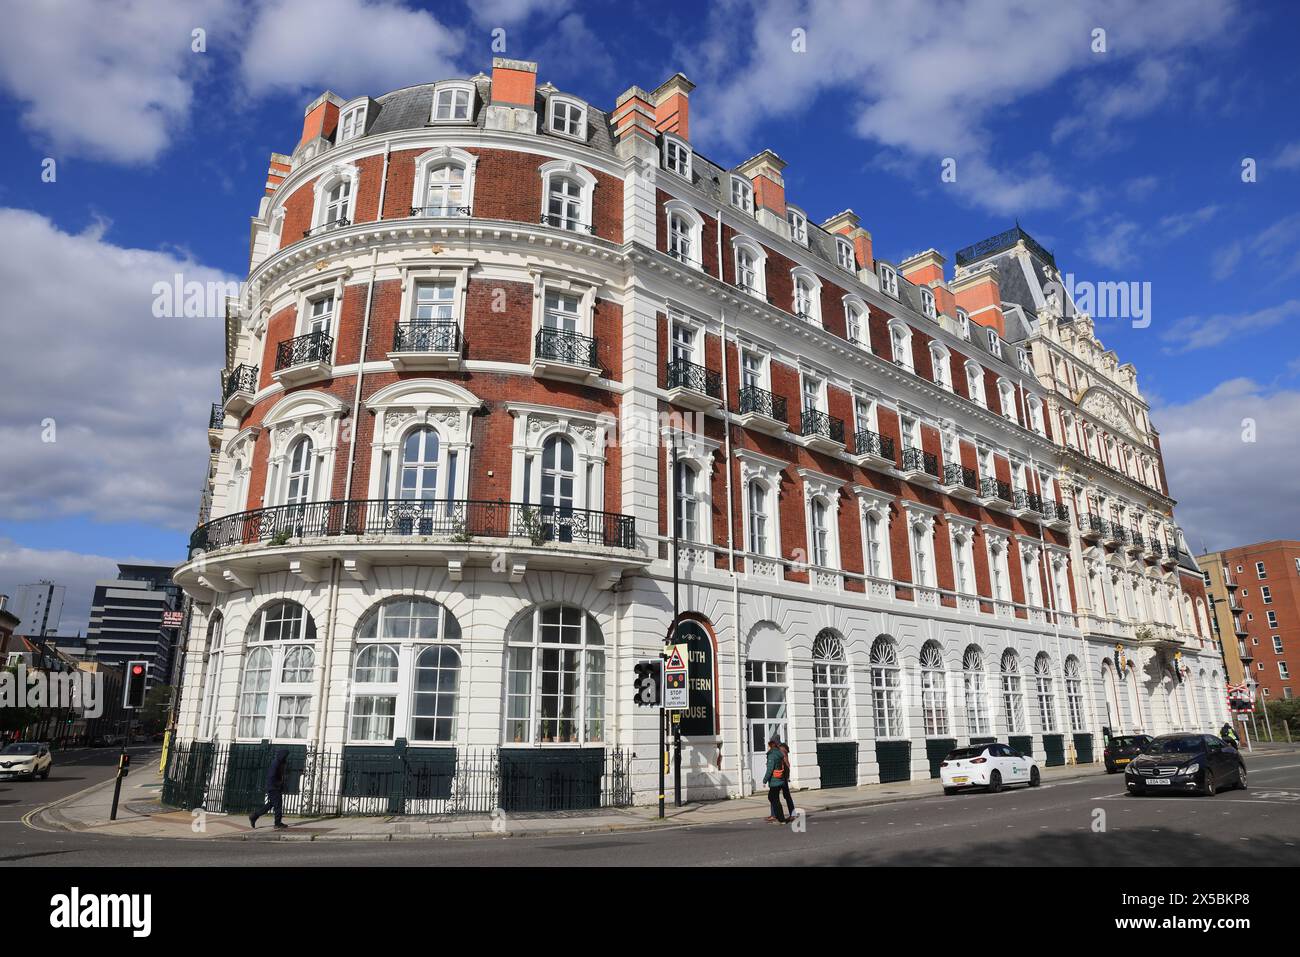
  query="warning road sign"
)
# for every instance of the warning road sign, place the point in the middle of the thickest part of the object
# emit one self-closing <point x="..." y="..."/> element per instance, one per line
<point x="676" y="678"/>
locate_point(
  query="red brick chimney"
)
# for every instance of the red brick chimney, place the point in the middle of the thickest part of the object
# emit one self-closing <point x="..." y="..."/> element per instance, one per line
<point x="672" y="106"/>
<point x="846" y="224"/>
<point x="321" y="117"/>
<point x="977" y="292"/>
<point x="514" y="82"/>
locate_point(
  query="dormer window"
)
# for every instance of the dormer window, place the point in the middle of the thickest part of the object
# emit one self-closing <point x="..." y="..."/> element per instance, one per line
<point x="888" y="279"/>
<point x="927" y="304"/>
<point x="963" y="323"/>
<point x="677" y="157"/>
<point x="995" y="344"/>
<point x="452" y="103"/>
<point x="844" y="255"/>
<point x="353" y="123"/>
<point x="568" y="118"/>
<point x="798" y="225"/>
<point x="742" y="194"/>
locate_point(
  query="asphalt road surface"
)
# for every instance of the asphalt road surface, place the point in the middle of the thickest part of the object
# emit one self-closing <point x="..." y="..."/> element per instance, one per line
<point x="1083" y="822"/>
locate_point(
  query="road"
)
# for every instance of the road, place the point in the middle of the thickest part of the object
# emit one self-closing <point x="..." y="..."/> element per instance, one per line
<point x="1081" y="822"/>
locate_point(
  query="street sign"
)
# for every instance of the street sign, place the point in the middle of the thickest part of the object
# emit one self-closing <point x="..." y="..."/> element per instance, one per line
<point x="676" y="678"/>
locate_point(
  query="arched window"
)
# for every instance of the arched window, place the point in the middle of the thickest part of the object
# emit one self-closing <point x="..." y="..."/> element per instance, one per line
<point x="1074" y="695"/>
<point x="975" y="691"/>
<point x="555" y="678"/>
<point x="337" y="203"/>
<point x="886" y="689"/>
<point x="830" y="688"/>
<point x="900" y="339"/>
<point x="1013" y="695"/>
<point x="374" y="694"/>
<point x="419" y="468"/>
<point x="301" y="460"/>
<point x="1046" y="689"/>
<point x="751" y="273"/>
<point x="212" y="675"/>
<point x="558" y="478"/>
<point x="564" y="205"/>
<point x="855" y="325"/>
<point x="759" y="541"/>
<point x="685" y="229"/>
<point x="686" y="502"/>
<point x="807" y="299"/>
<point x="877" y="545"/>
<point x="276" y="690"/>
<point x="934" y="690"/>
<point x="444" y="194"/>
<point x="940" y="361"/>
<point x="975" y="383"/>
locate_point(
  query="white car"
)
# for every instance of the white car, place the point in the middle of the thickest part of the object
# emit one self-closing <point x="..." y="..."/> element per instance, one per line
<point x="25" y="759"/>
<point x="990" y="766"/>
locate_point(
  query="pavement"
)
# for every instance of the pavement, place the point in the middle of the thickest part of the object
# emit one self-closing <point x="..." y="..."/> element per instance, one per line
<point x="141" y="814"/>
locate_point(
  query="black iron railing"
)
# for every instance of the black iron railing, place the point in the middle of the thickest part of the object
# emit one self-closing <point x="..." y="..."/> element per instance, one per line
<point x="242" y="378"/>
<point x="426" y="335"/>
<point x="756" y="401"/>
<point x="300" y="350"/>
<point x="397" y="779"/>
<point x="917" y="460"/>
<point x="456" y="520"/>
<point x="867" y="442"/>
<point x="1093" y="523"/>
<point x="683" y="374"/>
<point x="955" y="474"/>
<point x="564" y="222"/>
<point x="1175" y="552"/>
<point x="818" y="423"/>
<point x="1062" y="512"/>
<point x="557" y="345"/>
<point x="1119" y="533"/>
<point x="217" y="417"/>
<point x="326" y="227"/>
<point x="440" y="212"/>
<point x="995" y="488"/>
<point x="1003" y="240"/>
<point x="754" y="291"/>
<point x="1157" y="549"/>
<point x="1136" y="540"/>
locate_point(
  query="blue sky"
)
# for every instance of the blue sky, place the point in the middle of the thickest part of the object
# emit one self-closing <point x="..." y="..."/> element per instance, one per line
<point x="1126" y="162"/>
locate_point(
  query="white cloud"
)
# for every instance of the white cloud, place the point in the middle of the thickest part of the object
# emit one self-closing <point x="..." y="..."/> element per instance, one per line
<point x="128" y="393"/>
<point x="926" y="80"/>
<point x="1231" y="491"/>
<point x="1226" y="260"/>
<point x="1202" y="332"/>
<point x="1099" y="106"/>
<point x="494" y="13"/>
<point x="77" y="572"/>
<point x="353" y="47"/>
<point x="113" y="82"/>
<point x="1288" y="157"/>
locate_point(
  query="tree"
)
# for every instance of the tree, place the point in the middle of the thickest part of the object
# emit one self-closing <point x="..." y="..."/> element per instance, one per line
<point x="157" y="703"/>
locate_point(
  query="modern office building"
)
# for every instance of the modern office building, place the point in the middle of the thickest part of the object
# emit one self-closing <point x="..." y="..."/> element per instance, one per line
<point x="498" y="347"/>
<point x="39" y="608"/>
<point x="135" y="616"/>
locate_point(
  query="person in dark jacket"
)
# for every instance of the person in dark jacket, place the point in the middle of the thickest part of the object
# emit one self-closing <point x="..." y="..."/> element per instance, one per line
<point x="274" y="791"/>
<point x="785" y="781"/>
<point x="774" y="779"/>
<point x="1227" y="734"/>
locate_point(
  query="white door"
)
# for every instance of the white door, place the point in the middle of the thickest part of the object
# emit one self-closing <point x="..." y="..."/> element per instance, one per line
<point x="766" y="709"/>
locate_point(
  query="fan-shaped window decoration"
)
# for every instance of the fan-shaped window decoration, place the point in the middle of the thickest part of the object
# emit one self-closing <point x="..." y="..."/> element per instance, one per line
<point x="886" y="689"/>
<point x="1046" y="689"/>
<point x="254" y="693"/>
<point x="409" y="619"/>
<point x="1013" y="694"/>
<point x="299" y="662"/>
<point x="437" y="683"/>
<point x="283" y="621"/>
<point x="830" y="688"/>
<point x="1074" y="694"/>
<point x="934" y="690"/>
<point x="975" y="691"/>
<point x="555" y="678"/>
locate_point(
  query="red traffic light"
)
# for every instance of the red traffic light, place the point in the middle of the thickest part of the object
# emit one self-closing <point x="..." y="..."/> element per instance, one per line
<point x="137" y="670"/>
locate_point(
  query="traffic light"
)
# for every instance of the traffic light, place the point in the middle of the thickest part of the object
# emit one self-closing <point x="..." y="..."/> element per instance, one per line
<point x="647" y="684"/>
<point x="137" y="680"/>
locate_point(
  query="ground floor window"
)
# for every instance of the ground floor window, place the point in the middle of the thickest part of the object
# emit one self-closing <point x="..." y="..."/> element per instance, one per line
<point x="886" y="689"/>
<point x="830" y="689"/>
<point x="555" y="678"/>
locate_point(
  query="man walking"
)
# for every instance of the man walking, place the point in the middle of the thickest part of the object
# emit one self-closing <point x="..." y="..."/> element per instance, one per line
<point x="274" y="791"/>
<point x="785" y="780"/>
<point x="775" y="779"/>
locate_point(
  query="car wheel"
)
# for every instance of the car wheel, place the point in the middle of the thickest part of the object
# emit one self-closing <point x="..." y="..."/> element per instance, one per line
<point x="1241" y="776"/>
<point x="1034" y="778"/>
<point x="950" y="791"/>
<point x="1111" y="769"/>
<point x="45" y="775"/>
<point x="1208" y="787"/>
<point x="995" y="782"/>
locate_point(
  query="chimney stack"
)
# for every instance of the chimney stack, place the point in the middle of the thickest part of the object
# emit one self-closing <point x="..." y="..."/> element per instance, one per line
<point x="764" y="171"/>
<point x="321" y="118"/>
<point x="514" y="96"/>
<point x="923" y="269"/>
<point x="672" y="106"/>
<point x="846" y="224"/>
<point x="977" y="292"/>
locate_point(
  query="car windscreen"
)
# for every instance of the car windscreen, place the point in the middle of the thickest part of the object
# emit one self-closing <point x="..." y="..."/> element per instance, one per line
<point x="1128" y="742"/>
<point x="20" y="749"/>
<point x="962" y="754"/>
<point x="1175" y="745"/>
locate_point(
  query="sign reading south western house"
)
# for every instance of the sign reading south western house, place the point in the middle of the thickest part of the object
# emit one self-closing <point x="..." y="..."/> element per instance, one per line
<point x="699" y="717"/>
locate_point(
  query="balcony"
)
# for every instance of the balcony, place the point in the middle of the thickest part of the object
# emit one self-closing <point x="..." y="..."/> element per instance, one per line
<point x="1156" y="550"/>
<point x="1024" y="501"/>
<point x="920" y="466"/>
<point x="824" y="433"/>
<point x="874" y="450"/>
<point x="238" y="389"/>
<point x="303" y="358"/>
<point x="694" y="386"/>
<point x="216" y="418"/>
<point x="228" y="553"/>
<point x="1136" y="543"/>
<point x="326" y="227"/>
<point x="762" y="411"/>
<point x="995" y="493"/>
<point x="425" y="344"/>
<point x="1092" y="526"/>
<point x="441" y="212"/>
<point x="565" y="355"/>
<point x="1119" y="534"/>
<point x="960" y="482"/>
<point x="1244" y="652"/>
<point x="562" y="222"/>
<point x="1172" y="556"/>
<point x="1057" y="515"/>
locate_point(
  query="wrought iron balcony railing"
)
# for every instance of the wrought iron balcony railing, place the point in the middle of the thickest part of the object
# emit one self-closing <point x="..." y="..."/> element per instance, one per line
<point x="440" y="212"/>
<point x="426" y="335"/>
<point x="217" y="417"/>
<point x="1136" y="540"/>
<point x="917" y="460"/>
<point x="756" y="401"/>
<point x="683" y="374"/>
<point x="995" y="488"/>
<point x="815" y="423"/>
<point x="1062" y="512"/>
<point x="867" y="442"/>
<point x="955" y="474"/>
<point x="557" y="345"/>
<point x="300" y="350"/>
<point x="242" y="378"/>
<point x="326" y="227"/>
<point x="564" y="222"/>
<point x="1119" y="533"/>
<point x="1092" y="523"/>
<point x="458" y="520"/>
<point x="1157" y="549"/>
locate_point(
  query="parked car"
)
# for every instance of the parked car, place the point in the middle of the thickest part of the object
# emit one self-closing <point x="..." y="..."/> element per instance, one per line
<point x="1186" y="762"/>
<point x="26" y="759"/>
<point x="1122" y="749"/>
<point x="989" y="766"/>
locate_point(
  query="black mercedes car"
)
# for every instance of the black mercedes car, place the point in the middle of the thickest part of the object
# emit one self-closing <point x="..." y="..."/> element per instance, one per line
<point x="1186" y="762"/>
<point x="1122" y="749"/>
